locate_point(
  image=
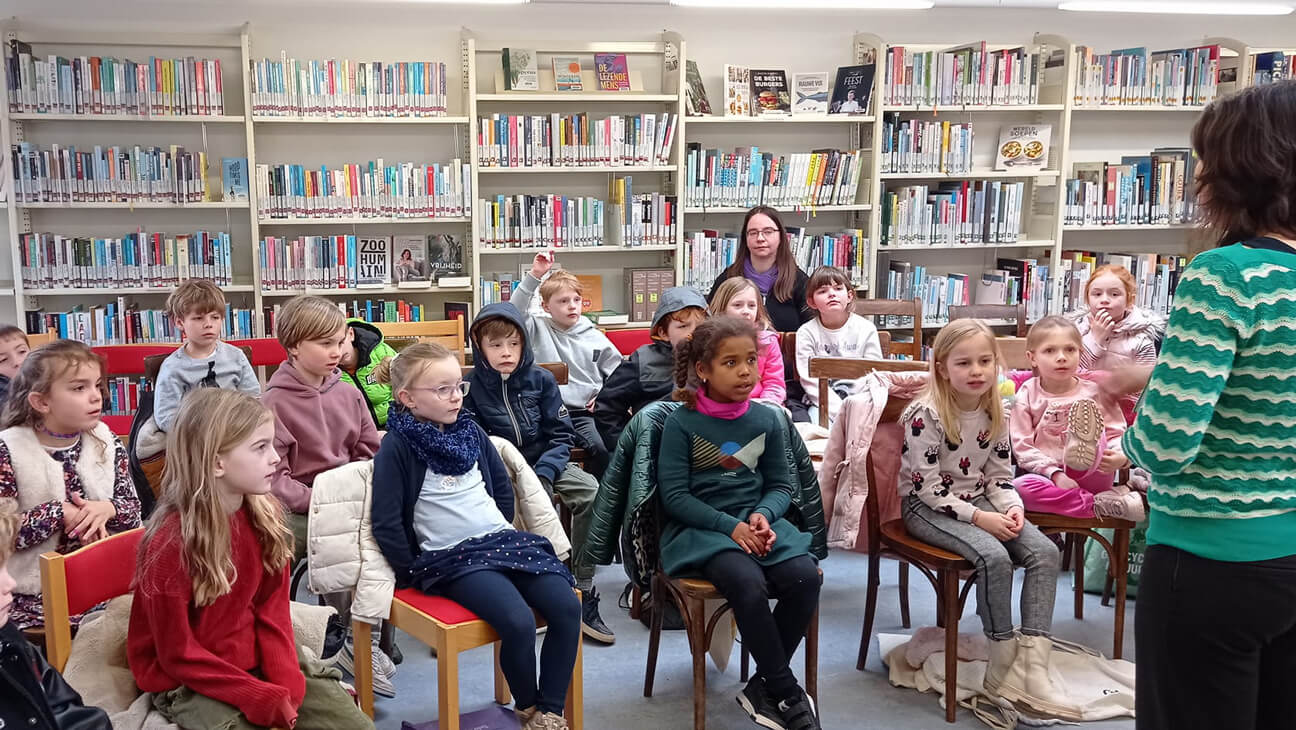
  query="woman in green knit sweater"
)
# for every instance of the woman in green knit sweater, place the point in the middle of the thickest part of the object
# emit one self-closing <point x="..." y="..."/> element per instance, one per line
<point x="1216" y="621"/>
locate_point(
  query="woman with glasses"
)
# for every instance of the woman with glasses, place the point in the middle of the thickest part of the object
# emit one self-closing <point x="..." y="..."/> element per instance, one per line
<point x="765" y="257"/>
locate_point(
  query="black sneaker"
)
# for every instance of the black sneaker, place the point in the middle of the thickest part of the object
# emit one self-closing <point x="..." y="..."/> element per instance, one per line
<point x="758" y="705"/>
<point x="591" y="623"/>
<point x="798" y="712"/>
<point x="335" y="636"/>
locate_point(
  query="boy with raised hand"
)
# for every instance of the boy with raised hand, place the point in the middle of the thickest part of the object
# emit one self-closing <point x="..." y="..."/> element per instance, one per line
<point x="513" y="398"/>
<point x="649" y="374"/>
<point x="564" y="335"/>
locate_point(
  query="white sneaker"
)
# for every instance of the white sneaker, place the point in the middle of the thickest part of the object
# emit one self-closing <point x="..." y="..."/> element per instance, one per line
<point x="1120" y="503"/>
<point x="383" y="668"/>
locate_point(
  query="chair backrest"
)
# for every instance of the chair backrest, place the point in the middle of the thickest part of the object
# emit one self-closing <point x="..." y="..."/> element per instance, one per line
<point x="448" y="332"/>
<point x="559" y="370"/>
<point x="626" y="341"/>
<point x="262" y="351"/>
<point x="44" y="338"/>
<point x="153" y="363"/>
<point x="80" y="580"/>
<point x="1011" y="312"/>
<point x="849" y="368"/>
<point x="1013" y="350"/>
<point x="900" y="308"/>
<point x="130" y="359"/>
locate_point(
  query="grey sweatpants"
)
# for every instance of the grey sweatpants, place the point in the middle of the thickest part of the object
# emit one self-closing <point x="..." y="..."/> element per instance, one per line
<point x="994" y="561"/>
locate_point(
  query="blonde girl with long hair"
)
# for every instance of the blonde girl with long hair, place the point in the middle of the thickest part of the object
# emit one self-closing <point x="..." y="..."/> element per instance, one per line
<point x="957" y="465"/>
<point x="61" y="468"/>
<point x="210" y="632"/>
<point x="739" y="297"/>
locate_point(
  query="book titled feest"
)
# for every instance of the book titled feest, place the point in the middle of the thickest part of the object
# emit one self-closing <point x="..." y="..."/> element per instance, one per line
<point x="520" y="71"/>
<point x="810" y="93"/>
<point x="373" y="264"/>
<point x="696" y="103"/>
<point x="853" y="90"/>
<point x="612" y="71"/>
<point x="769" y="93"/>
<point x="737" y="91"/>
<point x="567" y="73"/>
<point x="1023" y="146"/>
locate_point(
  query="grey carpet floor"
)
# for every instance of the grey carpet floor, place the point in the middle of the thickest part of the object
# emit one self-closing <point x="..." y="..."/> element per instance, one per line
<point x="848" y="698"/>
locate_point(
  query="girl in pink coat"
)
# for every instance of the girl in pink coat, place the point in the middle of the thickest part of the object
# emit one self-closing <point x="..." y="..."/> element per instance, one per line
<point x="739" y="297"/>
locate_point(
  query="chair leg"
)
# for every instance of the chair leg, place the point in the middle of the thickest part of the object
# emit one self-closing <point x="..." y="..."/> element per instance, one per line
<point x="387" y="639"/>
<point x="904" y="594"/>
<point x="812" y="660"/>
<point x="1078" y="555"/>
<point x="870" y="608"/>
<point x="447" y="683"/>
<point x="1120" y="564"/>
<point x="1108" y="586"/>
<point x="950" y="592"/>
<point x="575" y="711"/>
<point x="502" y="694"/>
<point x="654" y="635"/>
<point x="1067" y="543"/>
<point x="744" y="665"/>
<point x="636" y="603"/>
<point x="361" y="635"/>
<point x="698" y="647"/>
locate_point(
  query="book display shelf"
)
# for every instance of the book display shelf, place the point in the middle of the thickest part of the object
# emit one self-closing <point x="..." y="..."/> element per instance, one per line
<point x="668" y="224"/>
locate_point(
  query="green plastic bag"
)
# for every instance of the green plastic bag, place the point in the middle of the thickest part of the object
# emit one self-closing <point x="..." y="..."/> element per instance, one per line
<point x="1095" y="561"/>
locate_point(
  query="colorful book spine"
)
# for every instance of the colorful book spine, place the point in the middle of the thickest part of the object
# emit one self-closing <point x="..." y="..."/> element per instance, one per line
<point x="135" y="260"/>
<point x="541" y="221"/>
<point x="113" y="174"/>
<point x="107" y="86"/>
<point x="374" y="189"/>
<point x="748" y="177"/>
<point x="575" y="140"/>
<point x="291" y="87"/>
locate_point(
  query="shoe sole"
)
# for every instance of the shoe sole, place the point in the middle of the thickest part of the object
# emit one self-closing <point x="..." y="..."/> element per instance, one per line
<point x="602" y="637"/>
<point x="1085" y="425"/>
<point x="755" y="716"/>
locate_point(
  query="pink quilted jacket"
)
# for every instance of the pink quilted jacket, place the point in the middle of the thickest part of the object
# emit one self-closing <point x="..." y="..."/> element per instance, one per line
<point x="771" y="386"/>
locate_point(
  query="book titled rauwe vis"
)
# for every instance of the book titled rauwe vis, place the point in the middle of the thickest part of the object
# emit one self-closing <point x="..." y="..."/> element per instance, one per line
<point x="612" y="71"/>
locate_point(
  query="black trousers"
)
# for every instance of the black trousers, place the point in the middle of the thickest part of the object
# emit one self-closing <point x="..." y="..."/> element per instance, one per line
<point x="772" y="637"/>
<point x="1216" y="643"/>
<point x="588" y="438"/>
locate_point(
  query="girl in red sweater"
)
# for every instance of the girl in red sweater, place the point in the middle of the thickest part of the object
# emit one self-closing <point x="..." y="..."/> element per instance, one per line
<point x="210" y="633"/>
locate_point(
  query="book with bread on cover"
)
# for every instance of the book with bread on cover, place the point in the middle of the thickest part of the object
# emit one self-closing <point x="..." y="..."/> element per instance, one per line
<point x="810" y="93"/>
<point x="1023" y="145"/>
<point x="696" y="103"/>
<point x="567" y="73"/>
<point x="854" y="89"/>
<point x="769" y="93"/>
<point x="737" y="91"/>
<point x="520" y="71"/>
<point x="612" y="71"/>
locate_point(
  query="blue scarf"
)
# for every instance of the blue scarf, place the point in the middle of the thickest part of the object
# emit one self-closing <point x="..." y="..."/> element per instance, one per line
<point x="763" y="281"/>
<point x="451" y="452"/>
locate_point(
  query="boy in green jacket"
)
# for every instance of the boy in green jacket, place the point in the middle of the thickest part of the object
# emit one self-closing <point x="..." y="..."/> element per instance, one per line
<point x="358" y="362"/>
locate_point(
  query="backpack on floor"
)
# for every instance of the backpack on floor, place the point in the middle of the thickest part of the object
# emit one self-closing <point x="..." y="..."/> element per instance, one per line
<point x="1096" y="564"/>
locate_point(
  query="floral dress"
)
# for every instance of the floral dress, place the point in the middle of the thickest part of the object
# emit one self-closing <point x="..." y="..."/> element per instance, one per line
<point x="45" y="520"/>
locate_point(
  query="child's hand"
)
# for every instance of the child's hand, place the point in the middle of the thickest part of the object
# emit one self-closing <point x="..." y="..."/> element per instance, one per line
<point x="1101" y="324"/>
<point x="541" y="264"/>
<point x="1111" y="461"/>
<point x="999" y="526"/>
<point x="746" y="538"/>
<point x="71" y="516"/>
<point x="590" y="406"/>
<point x="1018" y="517"/>
<point x="94" y="516"/>
<point x="764" y="533"/>
<point x="1062" y="480"/>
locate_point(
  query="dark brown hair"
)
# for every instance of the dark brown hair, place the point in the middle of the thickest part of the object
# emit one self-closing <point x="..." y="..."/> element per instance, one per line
<point x="494" y="327"/>
<point x="1246" y="174"/>
<point x="701" y="347"/>
<point x="784" y="260"/>
<point x="828" y="276"/>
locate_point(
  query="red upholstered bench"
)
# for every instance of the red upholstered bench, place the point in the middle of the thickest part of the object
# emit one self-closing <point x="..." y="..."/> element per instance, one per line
<point x="627" y="341"/>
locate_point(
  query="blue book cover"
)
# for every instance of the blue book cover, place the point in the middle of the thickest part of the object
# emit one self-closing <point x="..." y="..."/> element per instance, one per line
<point x="234" y="177"/>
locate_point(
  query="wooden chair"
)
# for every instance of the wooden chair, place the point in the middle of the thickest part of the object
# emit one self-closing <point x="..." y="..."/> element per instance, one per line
<point x="941" y="567"/>
<point x="825" y="369"/>
<point x="448" y="332"/>
<point x="43" y="338"/>
<point x="450" y="629"/>
<point x="80" y="580"/>
<point x="897" y="307"/>
<point x="1013" y="350"/>
<point x="1012" y="312"/>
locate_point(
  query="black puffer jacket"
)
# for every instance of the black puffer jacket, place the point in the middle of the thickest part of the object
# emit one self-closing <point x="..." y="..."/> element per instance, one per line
<point x="33" y="695"/>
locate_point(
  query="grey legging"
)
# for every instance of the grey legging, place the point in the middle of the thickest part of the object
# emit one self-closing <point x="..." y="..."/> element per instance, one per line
<point x="994" y="561"/>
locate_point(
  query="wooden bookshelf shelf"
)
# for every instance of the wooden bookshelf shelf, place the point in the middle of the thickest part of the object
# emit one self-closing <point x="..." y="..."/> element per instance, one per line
<point x="181" y="118"/>
<point x="971" y="108"/>
<point x="599" y="169"/>
<point x="798" y="210"/>
<point x="1033" y="243"/>
<point x="259" y="119"/>
<point x="208" y="205"/>
<point x="795" y="119"/>
<point x="121" y="291"/>
<point x="355" y="221"/>
<point x="974" y="175"/>
<point x="360" y="293"/>
<point x="581" y="96"/>
<point x="531" y="250"/>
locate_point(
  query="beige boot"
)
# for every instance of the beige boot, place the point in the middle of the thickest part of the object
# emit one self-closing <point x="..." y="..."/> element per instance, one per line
<point x="1003" y="652"/>
<point x="1031" y="681"/>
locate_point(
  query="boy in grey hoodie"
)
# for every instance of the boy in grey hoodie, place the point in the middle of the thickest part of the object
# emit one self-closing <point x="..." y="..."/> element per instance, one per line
<point x="567" y="336"/>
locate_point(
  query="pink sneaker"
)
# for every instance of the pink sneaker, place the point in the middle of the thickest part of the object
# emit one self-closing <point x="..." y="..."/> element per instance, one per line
<point x="1119" y="503"/>
<point x="1085" y="427"/>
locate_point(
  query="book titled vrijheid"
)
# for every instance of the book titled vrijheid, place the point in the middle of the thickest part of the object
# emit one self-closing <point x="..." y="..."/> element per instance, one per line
<point x="520" y="71"/>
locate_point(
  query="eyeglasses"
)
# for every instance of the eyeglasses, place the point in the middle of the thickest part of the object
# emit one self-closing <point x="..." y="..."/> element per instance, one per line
<point x="446" y="392"/>
<point x="762" y="233"/>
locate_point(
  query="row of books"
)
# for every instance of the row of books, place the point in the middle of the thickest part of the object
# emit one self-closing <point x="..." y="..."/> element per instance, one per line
<point x="559" y="221"/>
<point x="370" y="310"/>
<point x="956" y="212"/>
<point x="1154" y="189"/>
<point x="967" y="75"/>
<point x="748" y="177"/>
<point x="132" y="174"/>
<point x="349" y="261"/>
<point x="1133" y="77"/>
<point x="95" y="85"/>
<point x="1155" y="277"/>
<point x="766" y="93"/>
<point x="375" y="189"/>
<point x="847" y="250"/>
<point x="124" y="395"/>
<point x="335" y="87"/>
<point x="123" y="323"/>
<point x="1013" y="281"/>
<point x="1270" y="68"/>
<point x="917" y="145"/>
<point x="640" y="219"/>
<point x="496" y="287"/>
<point x="55" y="261"/>
<point x="575" y="140"/>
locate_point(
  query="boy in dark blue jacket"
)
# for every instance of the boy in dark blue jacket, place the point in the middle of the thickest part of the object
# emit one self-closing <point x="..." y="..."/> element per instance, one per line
<point x="513" y="399"/>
